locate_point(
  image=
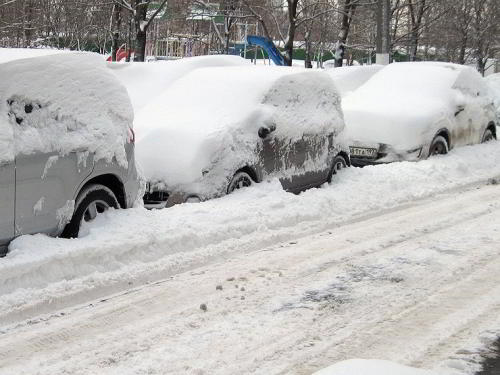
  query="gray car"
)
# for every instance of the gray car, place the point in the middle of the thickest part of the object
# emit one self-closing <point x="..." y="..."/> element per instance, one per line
<point x="67" y="146"/>
<point x="219" y="129"/>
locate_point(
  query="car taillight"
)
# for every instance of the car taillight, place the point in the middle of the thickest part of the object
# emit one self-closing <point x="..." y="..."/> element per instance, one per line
<point x="131" y="136"/>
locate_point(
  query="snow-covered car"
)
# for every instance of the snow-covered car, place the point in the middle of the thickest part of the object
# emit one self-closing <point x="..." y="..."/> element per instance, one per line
<point x="347" y="79"/>
<point x="409" y="111"/>
<point x="219" y="129"/>
<point x="66" y="145"/>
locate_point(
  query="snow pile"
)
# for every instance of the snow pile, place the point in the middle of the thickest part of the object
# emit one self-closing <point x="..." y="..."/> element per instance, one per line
<point x="371" y="367"/>
<point x="406" y="104"/>
<point x="493" y="82"/>
<point x="349" y="78"/>
<point x="64" y="103"/>
<point x="211" y="117"/>
<point x="145" y="81"/>
<point x="138" y="245"/>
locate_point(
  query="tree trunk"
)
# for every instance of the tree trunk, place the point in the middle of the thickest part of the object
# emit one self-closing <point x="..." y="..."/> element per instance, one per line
<point x="292" y="26"/>
<point x="308" y="60"/>
<point x="140" y="17"/>
<point x="117" y="23"/>
<point x="140" y="46"/>
<point x="348" y="13"/>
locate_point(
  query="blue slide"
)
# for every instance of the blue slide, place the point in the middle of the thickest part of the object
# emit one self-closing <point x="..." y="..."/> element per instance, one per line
<point x="269" y="46"/>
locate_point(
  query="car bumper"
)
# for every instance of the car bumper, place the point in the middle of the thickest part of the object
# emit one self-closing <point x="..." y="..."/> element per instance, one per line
<point x="386" y="154"/>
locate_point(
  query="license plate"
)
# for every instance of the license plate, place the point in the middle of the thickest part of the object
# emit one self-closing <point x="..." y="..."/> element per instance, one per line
<point x="363" y="152"/>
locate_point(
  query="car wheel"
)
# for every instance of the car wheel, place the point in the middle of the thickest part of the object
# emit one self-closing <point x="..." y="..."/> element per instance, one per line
<point x="93" y="200"/>
<point x="240" y="180"/>
<point x="338" y="163"/>
<point x="439" y="146"/>
<point x="488" y="136"/>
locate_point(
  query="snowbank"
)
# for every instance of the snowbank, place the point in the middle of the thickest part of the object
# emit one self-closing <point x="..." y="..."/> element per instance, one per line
<point x="63" y="103"/>
<point x="349" y="78"/>
<point x="210" y="119"/>
<point x="138" y="245"/>
<point x="145" y="81"/>
<point x="405" y="104"/>
<point x="371" y="367"/>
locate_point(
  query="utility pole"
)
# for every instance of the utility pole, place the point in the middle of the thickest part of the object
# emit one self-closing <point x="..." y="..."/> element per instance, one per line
<point x="383" y="32"/>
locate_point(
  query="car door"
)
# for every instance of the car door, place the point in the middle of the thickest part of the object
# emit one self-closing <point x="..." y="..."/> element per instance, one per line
<point x="7" y="199"/>
<point x="471" y="109"/>
<point x="298" y="163"/>
<point x="7" y="180"/>
<point x="46" y="185"/>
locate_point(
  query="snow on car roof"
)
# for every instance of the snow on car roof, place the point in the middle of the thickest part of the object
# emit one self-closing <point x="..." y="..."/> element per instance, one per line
<point x="145" y="81"/>
<point x="65" y="102"/>
<point x="11" y="54"/>
<point x="349" y="78"/>
<point x="179" y="133"/>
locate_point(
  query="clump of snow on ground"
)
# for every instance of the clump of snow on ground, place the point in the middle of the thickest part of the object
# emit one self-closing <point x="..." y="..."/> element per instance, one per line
<point x="371" y="367"/>
<point x="349" y="78"/>
<point x="211" y="117"/>
<point x="145" y="81"/>
<point x="64" y="103"/>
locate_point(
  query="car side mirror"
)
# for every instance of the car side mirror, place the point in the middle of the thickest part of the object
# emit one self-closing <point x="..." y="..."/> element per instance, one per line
<point x="264" y="131"/>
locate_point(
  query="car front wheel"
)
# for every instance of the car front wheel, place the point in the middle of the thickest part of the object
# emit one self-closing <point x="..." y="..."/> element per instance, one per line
<point x="488" y="136"/>
<point x="93" y="200"/>
<point x="338" y="163"/>
<point x="240" y="180"/>
<point x="439" y="146"/>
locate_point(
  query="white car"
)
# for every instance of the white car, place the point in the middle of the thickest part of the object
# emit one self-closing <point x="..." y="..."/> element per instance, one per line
<point x="409" y="111"/>
<point x="219" y="129"/>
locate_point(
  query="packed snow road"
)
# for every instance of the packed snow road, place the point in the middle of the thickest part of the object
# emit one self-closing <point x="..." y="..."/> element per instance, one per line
<point x="128" y="248"/>
<point x="418" y="284"/>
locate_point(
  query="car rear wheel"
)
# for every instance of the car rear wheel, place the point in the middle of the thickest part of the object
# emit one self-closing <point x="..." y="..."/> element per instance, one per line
<point x="93" y="200"/>
<point x="338" y="163"/>
<point x="488" y="136"/>
<point x="240" y="180"/>
<point x="439" y="146"/>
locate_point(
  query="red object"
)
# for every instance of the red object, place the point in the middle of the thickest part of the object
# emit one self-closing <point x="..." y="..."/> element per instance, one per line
<point x="121" y="54"/>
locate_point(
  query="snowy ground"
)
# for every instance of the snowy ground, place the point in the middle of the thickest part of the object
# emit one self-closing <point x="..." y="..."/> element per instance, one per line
<point x="397" y="262"/>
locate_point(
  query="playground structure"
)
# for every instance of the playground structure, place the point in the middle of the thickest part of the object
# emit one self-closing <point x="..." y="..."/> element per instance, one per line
<point x="267" y="45"/>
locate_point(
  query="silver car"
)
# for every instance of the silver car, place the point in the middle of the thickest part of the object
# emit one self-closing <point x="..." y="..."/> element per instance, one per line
<point x="66" y="145"/>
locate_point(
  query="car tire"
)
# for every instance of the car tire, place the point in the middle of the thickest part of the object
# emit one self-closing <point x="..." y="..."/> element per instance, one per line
<point x="92" y="200"/>
<point x="338" y="163"/>
<point x="239" y="181"/>
<point x="439" y="146"/>
<point x="488" y="136"/>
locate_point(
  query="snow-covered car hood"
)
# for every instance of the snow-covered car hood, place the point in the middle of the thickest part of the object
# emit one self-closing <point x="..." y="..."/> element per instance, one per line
<point x="398" y="123"/>
<point x="210" y="119"/>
